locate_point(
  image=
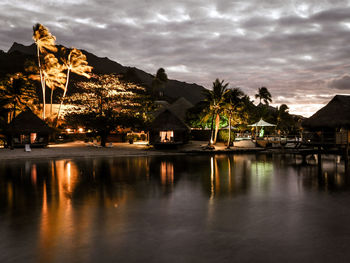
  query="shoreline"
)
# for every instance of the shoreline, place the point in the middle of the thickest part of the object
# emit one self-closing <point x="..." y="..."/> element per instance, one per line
<point x="80" y="149"/>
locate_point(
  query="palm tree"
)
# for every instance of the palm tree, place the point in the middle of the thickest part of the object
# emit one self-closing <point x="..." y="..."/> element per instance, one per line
<point x="233" y="99"/>
<point x="54" y="76"/>
<point x="264" y="94"/>
<point x="216" y="99"/>
<point x="44" y="41"/>
<point x="75" y="62"/>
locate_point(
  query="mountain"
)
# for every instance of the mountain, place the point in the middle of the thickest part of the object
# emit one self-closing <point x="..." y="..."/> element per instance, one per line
<point x="14" y="59"/>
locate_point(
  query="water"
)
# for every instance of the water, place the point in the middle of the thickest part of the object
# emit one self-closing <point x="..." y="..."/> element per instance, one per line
<point x="242" y="208"/>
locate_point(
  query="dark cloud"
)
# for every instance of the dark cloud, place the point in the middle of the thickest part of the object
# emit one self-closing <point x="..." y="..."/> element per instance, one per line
<point x="342" y="83"/>
<point x="295" y="48"/>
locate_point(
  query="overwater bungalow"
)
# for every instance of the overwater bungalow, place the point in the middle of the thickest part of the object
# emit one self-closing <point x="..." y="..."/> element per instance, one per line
<point x="27" y="128"/>
<point x="169" y="127"/>
<point x="331" y="124"/>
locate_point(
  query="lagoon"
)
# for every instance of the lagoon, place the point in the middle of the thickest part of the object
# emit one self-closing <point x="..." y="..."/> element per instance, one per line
<point x="184" y="208"/>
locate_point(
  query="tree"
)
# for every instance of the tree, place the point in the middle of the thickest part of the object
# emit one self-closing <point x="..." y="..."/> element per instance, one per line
<point x="264" y="94"/>
<point x="285" y="121"/>
<point x="44" y="41"/>
<point x="215" y="99"/>
<point x="158" y="83"/>
<point x="105" y="102"/>
<point x="54" y="76"/>
<point x="75" y="62"/>
<point x="16" y="93"/>
<point x="231" y="108"/>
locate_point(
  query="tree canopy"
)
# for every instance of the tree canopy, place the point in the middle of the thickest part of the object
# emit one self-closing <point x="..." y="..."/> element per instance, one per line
<point x="105" y="102"/>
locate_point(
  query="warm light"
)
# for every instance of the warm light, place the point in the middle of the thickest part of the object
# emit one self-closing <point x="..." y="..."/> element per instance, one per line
<point x="166" y="136"/>
<point x="68" y="177"/>
<point x="166" y="173"/>
<point x="211" y="176"/>
<point x="68" y="130"/>
<point x="81" y="129"/>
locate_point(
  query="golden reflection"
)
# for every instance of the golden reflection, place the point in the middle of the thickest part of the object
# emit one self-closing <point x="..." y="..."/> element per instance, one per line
<point x="33" y="174"/>
<point x="57" y="215"/>
<point x="217" y="176"/>
<point x="9" y="194"/>
<point x="166" y="173"/>
<point x="211" y="177"/>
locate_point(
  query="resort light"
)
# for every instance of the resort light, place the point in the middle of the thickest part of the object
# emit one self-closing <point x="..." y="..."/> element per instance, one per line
<point x="68" y="130"/>
<point x="81" y="129"/>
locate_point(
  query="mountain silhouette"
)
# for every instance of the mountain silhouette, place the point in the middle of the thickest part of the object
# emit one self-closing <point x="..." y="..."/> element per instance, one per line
<point x="15" y="58"/>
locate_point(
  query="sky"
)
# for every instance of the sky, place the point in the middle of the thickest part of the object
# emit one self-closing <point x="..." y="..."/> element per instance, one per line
<point x="299" y="50"/>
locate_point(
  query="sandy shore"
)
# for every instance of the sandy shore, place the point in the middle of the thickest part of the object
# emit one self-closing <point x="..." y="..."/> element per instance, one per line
<point x="81" y="149"/>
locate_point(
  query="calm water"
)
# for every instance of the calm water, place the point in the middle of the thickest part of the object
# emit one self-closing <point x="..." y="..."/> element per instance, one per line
<point x="242" y="208"/>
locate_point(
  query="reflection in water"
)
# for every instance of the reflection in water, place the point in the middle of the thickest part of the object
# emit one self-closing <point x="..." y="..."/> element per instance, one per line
<point x="167" y="173"/>
<point x="64" y="210"/>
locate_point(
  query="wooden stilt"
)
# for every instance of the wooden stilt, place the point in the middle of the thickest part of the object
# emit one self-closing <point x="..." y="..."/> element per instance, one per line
<point x="319" y="158"/>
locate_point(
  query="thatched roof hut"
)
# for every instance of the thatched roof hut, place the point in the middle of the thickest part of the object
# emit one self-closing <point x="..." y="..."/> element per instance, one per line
<point x="167" y="120"/>
<point x="336" y="114"/>
<point x="169" y="125"/>
<point x="27" y="128"/>
<point x="27" y="122"/>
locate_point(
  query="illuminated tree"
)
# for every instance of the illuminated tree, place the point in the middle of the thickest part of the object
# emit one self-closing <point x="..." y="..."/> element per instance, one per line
<point x="54" y="76"/>
<point x="105" y="102"/>
<point x="215" y="99"/>
<point x="232" y="107"/>
<point x="75" y="62"/>
<point x="44" y="41"/>
<point x="16" y="93"/>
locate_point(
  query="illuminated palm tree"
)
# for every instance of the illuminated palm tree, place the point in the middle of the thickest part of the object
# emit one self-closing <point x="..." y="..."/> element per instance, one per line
<point x="54" y="76"/>
<point x="216" y="99"/>
<point x="233" y="98"/>
<point x="75" y="62"/>
<point x="44" y="41"/>
<point x="264" y="94"/>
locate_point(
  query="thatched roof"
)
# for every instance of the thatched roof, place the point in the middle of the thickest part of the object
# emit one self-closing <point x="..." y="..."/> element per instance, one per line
<point x="27" y="122"/>
<point x="336" y="114"/>
<point x="166" y="121"/>
<point x="172" y="117"/>
<point x="179" y="108"/>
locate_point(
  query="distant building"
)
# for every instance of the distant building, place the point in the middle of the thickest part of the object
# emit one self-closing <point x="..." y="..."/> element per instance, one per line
<point x="169" y="127"/>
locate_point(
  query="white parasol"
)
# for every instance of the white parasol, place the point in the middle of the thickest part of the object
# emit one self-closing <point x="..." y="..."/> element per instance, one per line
<point x="262" y="123"/>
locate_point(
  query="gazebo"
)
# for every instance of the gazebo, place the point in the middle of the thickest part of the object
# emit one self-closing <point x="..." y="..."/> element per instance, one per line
<point x="261" y="123"/>
<point x="27" y="128"/>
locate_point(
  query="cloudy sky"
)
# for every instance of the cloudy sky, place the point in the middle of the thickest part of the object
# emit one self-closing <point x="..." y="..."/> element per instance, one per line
<point x="299" y="50"/>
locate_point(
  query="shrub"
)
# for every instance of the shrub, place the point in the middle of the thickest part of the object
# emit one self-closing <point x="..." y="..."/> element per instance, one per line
<point x="223" y="136"/>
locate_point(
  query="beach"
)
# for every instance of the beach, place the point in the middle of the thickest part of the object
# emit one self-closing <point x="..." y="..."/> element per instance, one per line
<point x="82" y="149"/>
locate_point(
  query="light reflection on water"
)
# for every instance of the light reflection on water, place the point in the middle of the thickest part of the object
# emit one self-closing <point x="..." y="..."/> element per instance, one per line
<point x="172" y="209"/>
